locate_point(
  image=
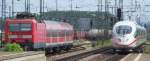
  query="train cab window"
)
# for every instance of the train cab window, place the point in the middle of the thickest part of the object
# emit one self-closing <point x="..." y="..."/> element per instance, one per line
<point x="137" y="32"/>
<point x="20" y="27"/>
<point x="25" y="27"/>
<point x="124" y="29"/>
<point x="14" y="27"/>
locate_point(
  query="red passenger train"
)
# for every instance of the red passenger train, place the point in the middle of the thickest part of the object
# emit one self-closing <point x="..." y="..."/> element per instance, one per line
<point x="32" y="34"/>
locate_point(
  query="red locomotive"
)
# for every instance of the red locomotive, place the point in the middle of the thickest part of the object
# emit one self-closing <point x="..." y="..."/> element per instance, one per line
<point x="32" y="34"/>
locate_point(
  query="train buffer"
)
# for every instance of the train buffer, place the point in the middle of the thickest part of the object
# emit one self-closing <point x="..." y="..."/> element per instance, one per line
<point x="23" y="56"/>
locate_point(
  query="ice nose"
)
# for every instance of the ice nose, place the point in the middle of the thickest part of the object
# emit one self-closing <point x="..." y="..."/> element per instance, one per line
<point x="122" y="39"/>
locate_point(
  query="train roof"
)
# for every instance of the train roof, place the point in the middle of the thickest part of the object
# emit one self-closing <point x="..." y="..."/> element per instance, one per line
<point x="55" y="25"/>
<point x="18" y="20"/>
<point x="130" y="23"/>
<point x="127" y="22"/>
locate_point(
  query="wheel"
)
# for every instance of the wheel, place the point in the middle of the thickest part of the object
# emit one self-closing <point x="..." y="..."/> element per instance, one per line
<point x="27" y="48"/>
<point x="139" y="50"/>
<point x="64" y="48"/>
<point x="57" y="50"/>
<point x="114" y="50"/>
<point x="48" y="51"/>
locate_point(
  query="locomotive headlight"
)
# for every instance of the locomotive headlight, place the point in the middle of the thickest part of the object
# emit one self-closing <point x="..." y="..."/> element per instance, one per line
<point x="20" y="36"/>
<point x="26" y="36"/>
<point x="12" y="36"/>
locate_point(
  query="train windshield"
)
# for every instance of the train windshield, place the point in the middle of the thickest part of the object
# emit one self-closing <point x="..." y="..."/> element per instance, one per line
<point x="20" y="27"/>
<point x="122" y="30"/>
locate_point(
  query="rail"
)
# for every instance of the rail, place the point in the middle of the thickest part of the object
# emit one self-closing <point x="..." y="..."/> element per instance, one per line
<point x="18" y="55"/>
<point x="74" y="56"/>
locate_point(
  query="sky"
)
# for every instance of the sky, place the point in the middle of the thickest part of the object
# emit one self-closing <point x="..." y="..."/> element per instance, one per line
<point x="83" y="5"/>
<point x="86" y="5"/>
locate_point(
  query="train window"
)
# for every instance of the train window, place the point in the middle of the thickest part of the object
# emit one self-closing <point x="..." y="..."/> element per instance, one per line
<point x="61" y="33"/>
<point x="58" y="33"/>
<point x="14" y="27"/>
<point x="52" y="33"/>
<point x="25" y="27"/>
<point x="122" y="30"/>
<point x="137" y="33"/>
<point x="20" y="27"/>
<point x="64" y="33"/>
<point x="67" y="33"/>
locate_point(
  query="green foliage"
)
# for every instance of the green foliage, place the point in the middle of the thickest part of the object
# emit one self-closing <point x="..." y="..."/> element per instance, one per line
<point x="13" y="47"/>
<point x="75" y="14"/>
<point x="102" y="43"/>
<point x="98" y="43"/>
<point x="87" y="44"/>
<point x="146" y="49"/>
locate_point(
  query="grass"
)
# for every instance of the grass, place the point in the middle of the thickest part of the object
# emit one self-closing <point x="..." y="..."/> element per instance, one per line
<point x="103" y="43"/>
<point x="147" y="49"/>
<point x="99" y="43"/>
<point x="13" y="47"/>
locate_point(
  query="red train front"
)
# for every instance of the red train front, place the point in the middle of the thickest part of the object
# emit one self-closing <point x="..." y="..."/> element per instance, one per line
<point x="20" y="31"/>
<point x="32" y="34"/>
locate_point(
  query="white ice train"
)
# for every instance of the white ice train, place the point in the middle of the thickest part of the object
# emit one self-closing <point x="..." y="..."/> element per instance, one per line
<point x="128" y="36"/>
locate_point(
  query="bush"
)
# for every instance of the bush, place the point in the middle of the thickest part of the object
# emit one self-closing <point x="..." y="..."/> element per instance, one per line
<point x="104" y="42"/>
<point x="146" y="49"/>
<point x="13" y="47"/>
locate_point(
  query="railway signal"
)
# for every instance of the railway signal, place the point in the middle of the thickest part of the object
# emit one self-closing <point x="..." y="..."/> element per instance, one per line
<point x="119" y="13"/>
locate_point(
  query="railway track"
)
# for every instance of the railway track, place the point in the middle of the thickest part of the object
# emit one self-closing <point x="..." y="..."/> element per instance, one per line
<point x="107" y="55"/>
<point x="115" y="57"/>
<point x="103" y="54"/>
<point x="18" y="55"/>
<point x="74" y="49"/>
<point x="75" y="56"/>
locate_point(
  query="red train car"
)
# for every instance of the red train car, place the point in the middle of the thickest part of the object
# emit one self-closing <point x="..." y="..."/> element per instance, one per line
<point x="32" y="35"/>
